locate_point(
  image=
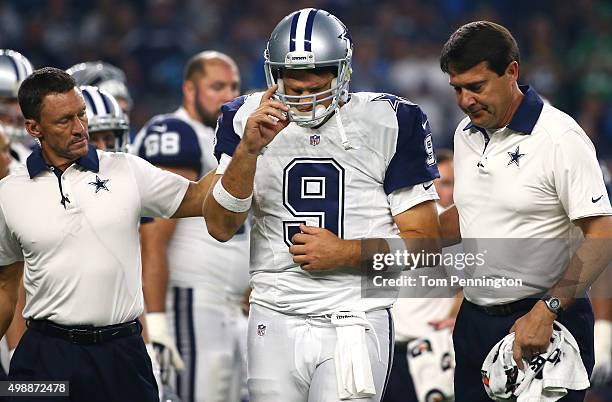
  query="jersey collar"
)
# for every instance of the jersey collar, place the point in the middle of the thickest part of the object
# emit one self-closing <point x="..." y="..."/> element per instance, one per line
<point x="36" y="164"/>
<point x="526" y="115"/>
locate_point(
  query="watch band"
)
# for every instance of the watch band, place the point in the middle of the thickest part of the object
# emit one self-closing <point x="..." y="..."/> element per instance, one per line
<point x="553" y="304"/>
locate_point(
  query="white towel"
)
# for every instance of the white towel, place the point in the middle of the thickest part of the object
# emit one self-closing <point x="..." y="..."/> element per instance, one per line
<point x="546" y="378"/>
<point x="351" y="357"/>
<point x="431" y="361"/>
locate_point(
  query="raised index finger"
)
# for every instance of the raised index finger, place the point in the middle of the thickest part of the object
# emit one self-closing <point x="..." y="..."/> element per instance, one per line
<point x="268" y="94"/>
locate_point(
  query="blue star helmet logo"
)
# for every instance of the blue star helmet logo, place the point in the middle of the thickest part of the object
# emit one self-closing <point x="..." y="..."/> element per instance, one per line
<point x="515" y="156"/>
<point x="99" y="184"/>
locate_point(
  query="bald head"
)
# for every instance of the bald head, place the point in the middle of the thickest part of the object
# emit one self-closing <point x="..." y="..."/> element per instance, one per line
<point x="196" y="66"/>
<point x="210" y="80"/>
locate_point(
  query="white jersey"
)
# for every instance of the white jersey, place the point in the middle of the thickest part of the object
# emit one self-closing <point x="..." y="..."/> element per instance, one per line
<point x="195" y="259"/>
<point x="307" y="176"/>
<point x="20" y="153"/>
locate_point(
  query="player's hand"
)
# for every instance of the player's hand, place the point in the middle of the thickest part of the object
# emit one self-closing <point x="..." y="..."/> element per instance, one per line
<point x="439" y="325"/>
<point x="532" y="333"/>
<point x="165" y="350"/>
<point x="265" y="122"/>
<point x="245" y="303"/>
<point x="318" y="249"/>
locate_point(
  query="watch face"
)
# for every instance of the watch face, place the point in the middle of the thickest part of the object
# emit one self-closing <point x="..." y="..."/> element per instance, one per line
<point x="554" y="303"/>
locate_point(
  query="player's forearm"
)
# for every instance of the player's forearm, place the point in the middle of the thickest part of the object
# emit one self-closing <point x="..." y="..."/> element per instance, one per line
<point x="155" y="283"/>
<point x="18" y="326"/>
<point x="449" y="224"/>
<point x="154" y="240"/>
<point x="10" y="275"/>
<point x="240" y="174"/>
<point x="237" y="180"/>
<point x="590" y="260"/>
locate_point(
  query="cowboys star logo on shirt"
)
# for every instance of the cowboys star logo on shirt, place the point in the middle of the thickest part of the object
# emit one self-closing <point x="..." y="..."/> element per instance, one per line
<point x="515" y="156"/>
<point x="99" y="184"/>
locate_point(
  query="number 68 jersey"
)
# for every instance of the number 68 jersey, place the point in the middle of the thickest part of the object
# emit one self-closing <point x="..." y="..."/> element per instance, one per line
<point x="306" y="175"/>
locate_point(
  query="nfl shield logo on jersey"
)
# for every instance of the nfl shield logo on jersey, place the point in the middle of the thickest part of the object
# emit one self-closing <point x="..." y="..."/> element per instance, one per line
<point x="315" y="139"/>
<point x="261" y="329"/>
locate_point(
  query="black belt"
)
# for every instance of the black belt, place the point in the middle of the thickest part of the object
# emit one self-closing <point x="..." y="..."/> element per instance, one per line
<point x="401" y="347"/>
<point x="506" y="309"/>
<point x="86" y="335"/>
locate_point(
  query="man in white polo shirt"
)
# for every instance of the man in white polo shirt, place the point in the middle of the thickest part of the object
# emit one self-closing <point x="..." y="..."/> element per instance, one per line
<point x="527" y="173"/>
<point x="72" y="215"/>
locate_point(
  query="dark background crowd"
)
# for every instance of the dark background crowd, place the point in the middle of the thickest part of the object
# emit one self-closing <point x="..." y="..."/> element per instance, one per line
<point x="566" y="46"/>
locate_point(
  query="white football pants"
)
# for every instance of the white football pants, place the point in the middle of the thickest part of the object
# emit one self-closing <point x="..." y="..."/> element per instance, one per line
<point x="291" y="358"/>
<point x="211" y="338"/>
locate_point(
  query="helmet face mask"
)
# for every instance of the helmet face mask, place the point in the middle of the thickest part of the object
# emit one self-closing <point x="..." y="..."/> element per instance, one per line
<point x="104" y="114"/>
<point x="307" y="40"/>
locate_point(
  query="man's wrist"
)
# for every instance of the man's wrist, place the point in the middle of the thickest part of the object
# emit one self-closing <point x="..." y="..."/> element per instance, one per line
<point x="548" y="312"/>
<point x="353" y="253"/>
<point x="247" y="150"/>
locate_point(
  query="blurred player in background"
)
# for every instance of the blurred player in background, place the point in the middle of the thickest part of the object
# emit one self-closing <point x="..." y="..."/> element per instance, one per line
<point x="14" y="68"/>
<point x="5" y="162"/>
<point x="420" y="321"/>
<point x="106" y="77"/>
<point x="446" y="182"/>
<point x="321" y="166"/>
<point x="199" y="281"/>
<point x="107" y="123"/>
<point x="5" y="153"/>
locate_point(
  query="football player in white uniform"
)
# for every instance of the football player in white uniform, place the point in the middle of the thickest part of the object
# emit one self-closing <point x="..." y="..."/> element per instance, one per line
<point x="323" y="169"/>
<point x="205" y="279"/>
<point x="14" y="68"/>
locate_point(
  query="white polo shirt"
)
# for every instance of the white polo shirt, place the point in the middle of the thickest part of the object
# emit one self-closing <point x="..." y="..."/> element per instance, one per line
<point x="77" y="232"/>
<point x="524" y="183"/>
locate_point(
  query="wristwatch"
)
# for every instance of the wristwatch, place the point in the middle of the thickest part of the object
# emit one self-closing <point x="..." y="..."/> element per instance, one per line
<point x="553" y="304"/>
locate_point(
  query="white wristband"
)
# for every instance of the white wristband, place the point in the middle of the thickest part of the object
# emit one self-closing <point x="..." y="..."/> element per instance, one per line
<point x="228" y="201"/>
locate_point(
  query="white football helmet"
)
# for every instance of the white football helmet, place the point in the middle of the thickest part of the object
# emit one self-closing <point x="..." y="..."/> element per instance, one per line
<point x="14" y="68"/>
<point x="104" y="114"/>
<point x="104" y="76"/>
<point x="309" y="39"/>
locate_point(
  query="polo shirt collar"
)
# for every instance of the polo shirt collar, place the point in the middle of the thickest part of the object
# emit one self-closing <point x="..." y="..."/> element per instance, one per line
<point x="36" y="163"/>
<point x="526" y="115"/>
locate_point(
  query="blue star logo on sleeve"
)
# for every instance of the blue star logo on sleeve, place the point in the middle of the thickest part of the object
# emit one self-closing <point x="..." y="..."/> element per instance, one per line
<point x="99" y="184"/>
<point x="515" y="156"/>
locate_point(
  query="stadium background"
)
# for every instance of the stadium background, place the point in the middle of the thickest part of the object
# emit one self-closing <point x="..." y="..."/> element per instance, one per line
<point x="566" y="47"/>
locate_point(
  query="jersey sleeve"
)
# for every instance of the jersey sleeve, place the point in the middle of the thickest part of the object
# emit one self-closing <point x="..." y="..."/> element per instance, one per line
<point x="10" y="249"/>
<point x="407" y="197"/>
<point x="169" y="141"/>
<point x="161" y="192"/>
<point x="226" y="138"/>
<point x="578" y="177"/>
<point x="413" y="161"/>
